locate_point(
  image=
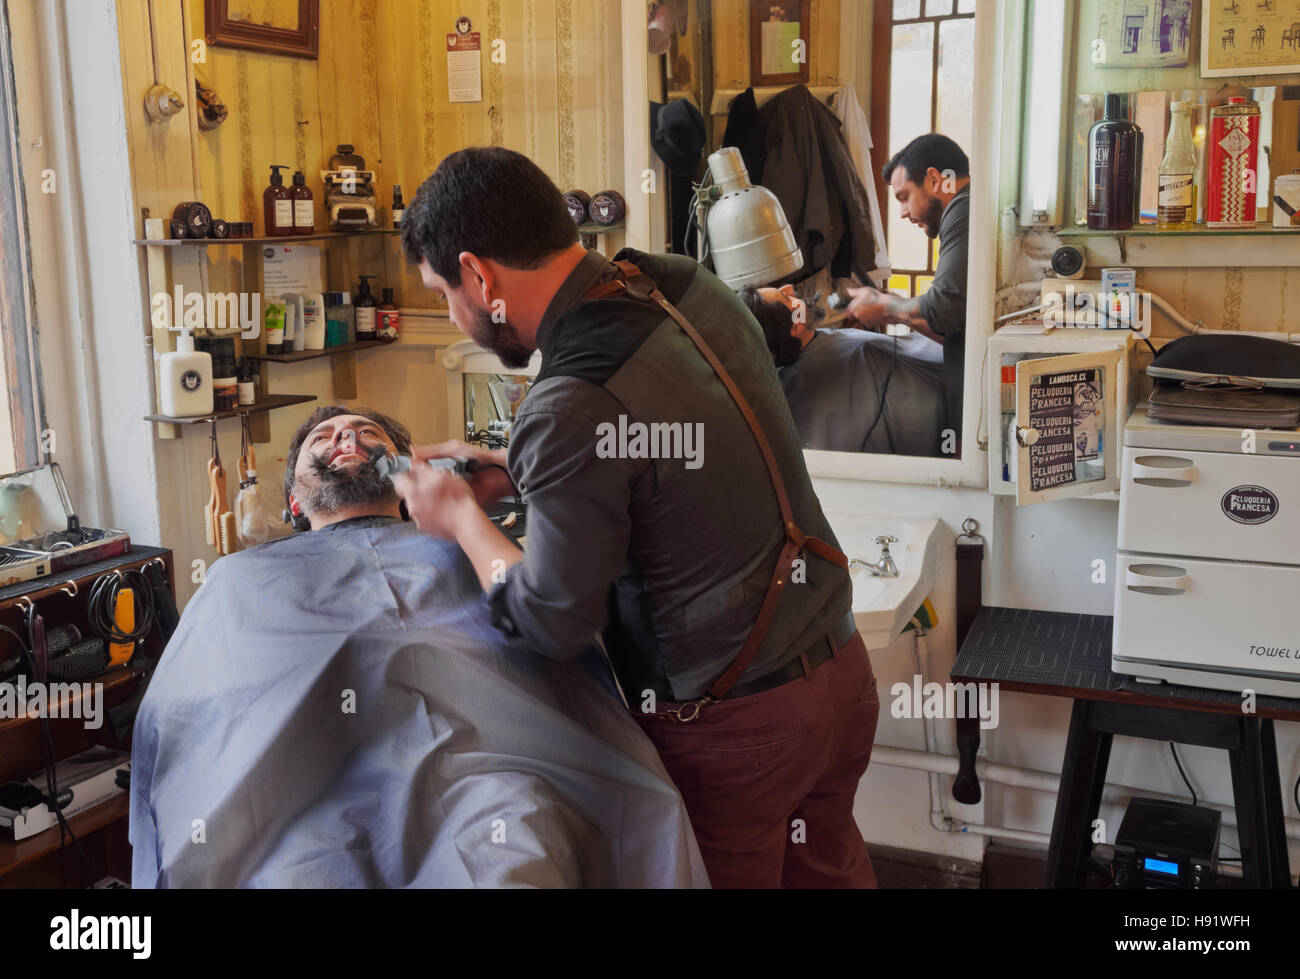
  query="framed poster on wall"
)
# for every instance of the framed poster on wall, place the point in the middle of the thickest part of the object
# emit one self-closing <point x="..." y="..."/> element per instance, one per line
<point x="1142" y="33"/>
<point x="1249" y="37"/>
<point x="778" y="42"/>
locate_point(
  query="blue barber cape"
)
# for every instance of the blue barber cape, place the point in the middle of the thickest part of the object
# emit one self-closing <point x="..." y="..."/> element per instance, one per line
<point x="336" y="710"/>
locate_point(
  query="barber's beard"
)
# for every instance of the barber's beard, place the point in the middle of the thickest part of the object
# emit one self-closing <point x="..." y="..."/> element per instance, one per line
<point x="933" y="215"/>
<point x="501" y="339"/>
<point x="329" y="490"/>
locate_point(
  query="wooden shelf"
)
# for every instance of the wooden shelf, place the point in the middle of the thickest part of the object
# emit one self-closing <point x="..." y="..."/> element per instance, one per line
<point x="269" y="403"/>
<point x="301" y="355"/>
<point x="592" y="228"/>
<point x="13" y="855"/>
<point x="288" y="240"/>
<point x="119" y="677"/>
<point x="1200" y="231"/>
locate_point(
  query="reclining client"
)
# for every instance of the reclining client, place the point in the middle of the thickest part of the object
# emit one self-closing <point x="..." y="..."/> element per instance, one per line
<point x="335" y="709"/>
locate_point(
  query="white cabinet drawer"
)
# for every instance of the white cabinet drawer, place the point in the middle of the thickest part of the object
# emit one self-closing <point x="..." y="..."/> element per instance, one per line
<point x="1236" y="620"/>
<point x="1209" y="504"/>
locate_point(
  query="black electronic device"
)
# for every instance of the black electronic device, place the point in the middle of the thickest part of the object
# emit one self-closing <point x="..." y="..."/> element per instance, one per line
<point x="1167" y="845"/>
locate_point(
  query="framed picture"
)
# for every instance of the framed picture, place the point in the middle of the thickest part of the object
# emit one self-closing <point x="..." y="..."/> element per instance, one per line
<point x="778" y="42"/>
<point x="294" y="31"/>
<point x="1249" y="37"/>
<point x="1143" y="33"/>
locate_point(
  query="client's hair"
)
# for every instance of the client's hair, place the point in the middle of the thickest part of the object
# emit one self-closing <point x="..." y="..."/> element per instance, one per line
<point x="395" y="429"/>
<point x="776" y="321"/>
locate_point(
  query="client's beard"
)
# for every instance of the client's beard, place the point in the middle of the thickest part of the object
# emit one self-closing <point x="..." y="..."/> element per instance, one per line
<point x="501" y="339"/>
<point x="334" y="489"/>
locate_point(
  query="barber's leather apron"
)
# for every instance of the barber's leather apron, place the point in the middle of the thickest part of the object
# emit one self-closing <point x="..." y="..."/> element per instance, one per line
<point x="640" y="287"/>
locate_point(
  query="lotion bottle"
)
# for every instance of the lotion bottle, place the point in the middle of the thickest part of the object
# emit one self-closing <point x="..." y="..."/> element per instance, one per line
<point x="304" y="210"/>
<point x="185" y="380"/>
<point x="313" y="321"/>
<point x="277" y="206"/>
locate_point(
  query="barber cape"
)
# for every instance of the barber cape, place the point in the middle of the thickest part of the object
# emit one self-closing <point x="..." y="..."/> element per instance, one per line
<point x="847" y="378"/>
<point x="335" y="710"/>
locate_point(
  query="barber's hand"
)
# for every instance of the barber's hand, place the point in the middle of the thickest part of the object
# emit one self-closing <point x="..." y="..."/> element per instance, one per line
<point x="868" y="307"/>
<point x="439" y="502"/>
<point x="490" y="484"/>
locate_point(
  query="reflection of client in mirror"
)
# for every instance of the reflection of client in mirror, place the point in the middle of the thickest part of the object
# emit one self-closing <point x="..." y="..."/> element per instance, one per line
<point x="850" y="390"/>
<point x="930" y="178"/>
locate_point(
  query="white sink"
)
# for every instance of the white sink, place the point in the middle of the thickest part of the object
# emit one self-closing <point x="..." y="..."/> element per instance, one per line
<point x="883" y="606"/>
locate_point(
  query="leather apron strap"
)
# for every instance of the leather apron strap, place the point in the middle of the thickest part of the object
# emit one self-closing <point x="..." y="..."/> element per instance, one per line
<point x="638" y="286"/>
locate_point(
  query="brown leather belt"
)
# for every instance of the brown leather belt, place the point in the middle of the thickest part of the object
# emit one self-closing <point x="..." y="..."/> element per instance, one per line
<point x="816" y="654"/>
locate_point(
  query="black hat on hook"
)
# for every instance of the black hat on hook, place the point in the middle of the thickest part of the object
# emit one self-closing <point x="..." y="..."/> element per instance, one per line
<point x="678" y="134"/>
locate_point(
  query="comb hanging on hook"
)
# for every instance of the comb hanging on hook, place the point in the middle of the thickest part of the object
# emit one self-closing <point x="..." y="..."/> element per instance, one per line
<point x="210" y="530"/>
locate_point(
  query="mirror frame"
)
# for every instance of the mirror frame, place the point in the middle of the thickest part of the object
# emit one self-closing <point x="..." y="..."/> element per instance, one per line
<point x="985" y="152"/>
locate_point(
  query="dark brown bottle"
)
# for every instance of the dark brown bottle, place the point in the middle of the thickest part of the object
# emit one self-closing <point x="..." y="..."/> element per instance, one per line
<point x="277" y="206"/>
<point x="1114" y="170"/>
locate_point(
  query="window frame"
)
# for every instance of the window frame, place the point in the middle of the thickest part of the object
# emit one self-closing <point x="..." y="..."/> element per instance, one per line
<point x="18" y="331"/>
<point x="883" y="25"/>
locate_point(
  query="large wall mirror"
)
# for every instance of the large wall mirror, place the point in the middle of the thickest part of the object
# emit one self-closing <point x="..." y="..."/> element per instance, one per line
<point x="874" y="405"/>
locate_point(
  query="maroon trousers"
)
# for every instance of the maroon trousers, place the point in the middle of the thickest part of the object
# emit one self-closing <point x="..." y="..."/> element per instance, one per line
<point x="769" y="779"/>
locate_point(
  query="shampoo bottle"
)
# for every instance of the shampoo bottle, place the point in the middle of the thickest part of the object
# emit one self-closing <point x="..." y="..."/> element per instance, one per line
<point x="277" y="206"/>
<point x="388" y="317"/>
<point x="365" y="306"/>
<point x="304" y="210"/>
<point x="185" y="380"/>
<point x="1114" y="174"/>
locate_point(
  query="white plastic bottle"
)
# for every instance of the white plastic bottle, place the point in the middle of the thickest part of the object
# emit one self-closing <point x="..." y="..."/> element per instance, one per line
<point x="313" y="321"/>
<point x="185" y="380"/>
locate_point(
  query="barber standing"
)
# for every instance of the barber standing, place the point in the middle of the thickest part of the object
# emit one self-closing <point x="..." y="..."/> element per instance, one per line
<point x="930" y="178"/>
<point x="670" y="511"/>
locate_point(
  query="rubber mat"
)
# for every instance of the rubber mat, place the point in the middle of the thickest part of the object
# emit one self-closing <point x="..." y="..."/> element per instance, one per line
<point x="1066" y="649"/>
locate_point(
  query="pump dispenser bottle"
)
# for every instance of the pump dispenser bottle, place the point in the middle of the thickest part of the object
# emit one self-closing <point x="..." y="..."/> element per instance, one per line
<point x="277" y="206"/>
<point x="185" y="380"/>
<point x="304" y="210"/>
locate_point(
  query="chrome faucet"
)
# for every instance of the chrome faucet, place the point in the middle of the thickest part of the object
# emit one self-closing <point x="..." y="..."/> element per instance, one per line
<point x="885" y="566"/>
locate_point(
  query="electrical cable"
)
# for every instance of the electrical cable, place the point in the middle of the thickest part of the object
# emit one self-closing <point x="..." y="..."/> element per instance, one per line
<point x="880" y="411"/>
<point x="101" y="606"/>
<point x="47" y="742"/>
<point x="1174" y="751"/>
<point x="490" y="439"/>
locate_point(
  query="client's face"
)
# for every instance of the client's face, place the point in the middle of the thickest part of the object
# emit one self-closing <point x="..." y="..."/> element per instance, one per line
<point x="803" y="317"/>
<point x="335" y="466"/>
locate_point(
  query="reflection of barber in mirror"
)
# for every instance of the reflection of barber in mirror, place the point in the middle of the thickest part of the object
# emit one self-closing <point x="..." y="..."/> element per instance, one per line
<point x="930" y="179"/>
<point x="850" y="390"/>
